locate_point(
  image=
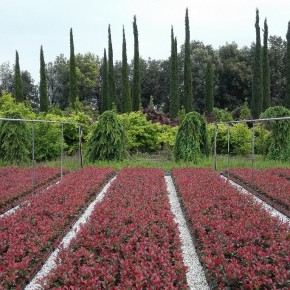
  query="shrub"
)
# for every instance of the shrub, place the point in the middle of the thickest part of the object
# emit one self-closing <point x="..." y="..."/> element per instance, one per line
<point x="222" y="115"/>
<point x="15" y="139"/>
<point x="106" y="141"/>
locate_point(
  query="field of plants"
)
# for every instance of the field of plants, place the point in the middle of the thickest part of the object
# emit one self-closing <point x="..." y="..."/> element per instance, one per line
<point x="131" y="239"/>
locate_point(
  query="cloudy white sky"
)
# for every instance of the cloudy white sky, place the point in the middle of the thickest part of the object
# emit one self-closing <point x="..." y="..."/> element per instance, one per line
<point x="26" y="25"/>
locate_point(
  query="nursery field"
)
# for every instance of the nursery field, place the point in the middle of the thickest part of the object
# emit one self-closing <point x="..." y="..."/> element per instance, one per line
<point x="131" y="239"/>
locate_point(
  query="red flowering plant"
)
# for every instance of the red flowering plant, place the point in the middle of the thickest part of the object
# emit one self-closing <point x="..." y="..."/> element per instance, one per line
<point x="16" y="183"/>
<point x="28" y="235"/>
<point x="270" y="185"/>
<point x="240" y="244"/>
<point x="130" y="242"/>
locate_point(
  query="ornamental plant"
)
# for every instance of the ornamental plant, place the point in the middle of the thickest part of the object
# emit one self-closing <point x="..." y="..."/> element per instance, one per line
<point x="106" y="142"/>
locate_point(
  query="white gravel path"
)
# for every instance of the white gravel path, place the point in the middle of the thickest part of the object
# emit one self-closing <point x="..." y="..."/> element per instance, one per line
<point x="51" y="261"/>
<point x="195" y="275"/>
<point x="269" y="208"/>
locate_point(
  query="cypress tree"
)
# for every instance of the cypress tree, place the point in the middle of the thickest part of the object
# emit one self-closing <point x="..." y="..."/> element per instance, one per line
<point x="104" y="95"/>
<point x="18" y="86"/>
<point x="43" y="98"/>
<point x="257" y="97"/>
<point x="188" y="98"/>
<point x="266" y="70"/>
<point x="73" y="87"/>
<point x="136" y="90"/>
<point x="126" y="96"/>
<point x="111" y="74"/>
<point x="288" y="68"/>
<point x="174" y="92"/>
<point x="209" y="100"/>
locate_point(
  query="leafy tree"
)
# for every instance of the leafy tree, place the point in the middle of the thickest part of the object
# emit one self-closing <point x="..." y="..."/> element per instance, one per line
<point x="279" y="148"/>
<point x="209" y="100"/>
<point x="111" y="75"/>
<point x="126" y="95"/>
<point x="187" y="145"/>
<point x="73" y="86"/>
<point x="43" y="84"/>
<point x="136" y="87"/>
<point x="288" y="68"/>
<point x="266" y="70"/>
<point x="104" y="95"/>
<point x="15" y="139"/>
<point x="18" y="86"/>
<point x="106" y="141"/>
<point x="6" y="78"/>
<point x="30" y="91"/>
<point x="188" y="98"/>
<point x="174" y="100"/>
<point x="257" y="95"/>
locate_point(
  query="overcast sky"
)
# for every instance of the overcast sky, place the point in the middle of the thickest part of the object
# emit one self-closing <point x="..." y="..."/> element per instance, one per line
<point x="25" y="25"/>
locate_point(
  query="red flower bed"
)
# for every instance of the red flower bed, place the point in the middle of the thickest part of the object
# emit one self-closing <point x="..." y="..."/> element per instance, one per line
<point x="130" y="241"/>
<point x="28" y="235"/>
<point x="268" y="184"/>
<point x="240" y="244"/>
<point x="15" y="183"/>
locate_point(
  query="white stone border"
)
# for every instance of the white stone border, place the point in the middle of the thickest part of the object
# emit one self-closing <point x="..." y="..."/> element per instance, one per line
<point x="195" y="274"/>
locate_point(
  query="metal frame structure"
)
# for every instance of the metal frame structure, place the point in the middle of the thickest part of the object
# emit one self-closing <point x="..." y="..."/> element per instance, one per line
<point x="62" y="141"/>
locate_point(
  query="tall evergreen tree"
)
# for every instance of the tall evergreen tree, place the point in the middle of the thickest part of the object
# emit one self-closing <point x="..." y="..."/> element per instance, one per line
<point x="174" y="102"/>
<point x="288" y="68"/>
<point x="73" y="86"/>
<point x="43" y="96"/>
<point x="136" y="90"/>
<point x="209" y="100"/>
<point x="257" y="93"/>
<point x="266" y="70"/>
<point x="111" y="73"/>
<point x="104" y="95"/>
<point x="188" y="96"/>
<point x="18" y="86"/>
<point x="126" y="94"/>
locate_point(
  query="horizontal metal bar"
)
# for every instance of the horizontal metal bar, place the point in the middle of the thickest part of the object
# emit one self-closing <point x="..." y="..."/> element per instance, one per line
<point x="40" y="121"/>
<point x="254" y="120"/>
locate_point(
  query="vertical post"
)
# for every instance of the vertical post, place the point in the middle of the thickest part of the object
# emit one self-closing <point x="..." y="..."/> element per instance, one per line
<point x="253" y="150"/>
<point x="214" y="147"/>
<point x="33" y="157"/>
<point x="61" y="153"/>
<point x="228" y="150"/>
<point x="80" y="147"/>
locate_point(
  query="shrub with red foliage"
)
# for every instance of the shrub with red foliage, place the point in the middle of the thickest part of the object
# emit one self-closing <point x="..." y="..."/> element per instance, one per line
<point x="240" y="244"/>
<point x="160" y="117"/>
<point x="270" y="185"/>
<point x="15" y="183"/>
<point x="28" y="235"/>
<point x="130" y="241"/>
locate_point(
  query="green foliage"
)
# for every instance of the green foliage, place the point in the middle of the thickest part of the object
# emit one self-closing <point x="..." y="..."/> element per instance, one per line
<point x="222" y="115"/>
<point x="18" y="86"/>
<point x="106" y="142"/>
<point x="15" y="139"/>
<point x="288" y="68"/>
<point x="167" y="135"/>
<point x="73" y="86"/>
<point x="204" y="137"/>
<point x="187" y="146"/>
<point x="111" y="74"/>
<point x="279" y="148"/>
<point x="266" y="70"/>
<point x="209" y="100"/>
<point x="245" y="112"/>
<point x="43" y="97"/>
<point x="262" y="140"/>
<point x="141" y="135"/>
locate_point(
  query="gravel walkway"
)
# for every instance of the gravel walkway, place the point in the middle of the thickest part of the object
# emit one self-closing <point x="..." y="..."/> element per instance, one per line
<point x="195" y="275"/>
<point x="269" y="208"/>
<point x="51" y="261"/>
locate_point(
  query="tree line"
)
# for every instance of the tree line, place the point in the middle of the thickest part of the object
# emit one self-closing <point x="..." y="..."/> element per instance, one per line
<point x="198" y="77"/>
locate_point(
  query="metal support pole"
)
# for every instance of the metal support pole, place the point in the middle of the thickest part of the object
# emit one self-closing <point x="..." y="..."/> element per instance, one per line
<point x="61" y="153"/>
<point x="214" y="147"/>
<point x="33" y="159"/>
<point x="80" y="147"/>
<point x="228" y="150"/>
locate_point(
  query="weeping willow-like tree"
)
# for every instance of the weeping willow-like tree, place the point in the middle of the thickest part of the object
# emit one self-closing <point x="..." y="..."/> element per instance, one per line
<point x="107" y="139"/>
<point x="15" y="139"/>
<point x="192" y="139"/>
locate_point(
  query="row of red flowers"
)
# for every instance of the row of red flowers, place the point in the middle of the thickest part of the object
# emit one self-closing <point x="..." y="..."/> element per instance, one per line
<point x="271" y="185"/>
<point x="130" y="242"/>
<point x="240" y="244"/>
<point x="28" y="235"/>
<point x="15" y="183"/>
